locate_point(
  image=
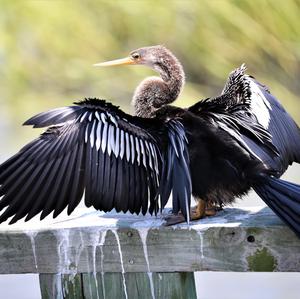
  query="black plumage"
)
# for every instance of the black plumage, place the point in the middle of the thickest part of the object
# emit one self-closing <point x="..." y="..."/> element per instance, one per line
<point x="216" y="150"/>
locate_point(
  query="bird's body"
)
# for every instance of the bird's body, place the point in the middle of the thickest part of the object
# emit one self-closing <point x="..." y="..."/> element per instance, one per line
<point x="211" y="149"/>
<point x="218" y="150"/>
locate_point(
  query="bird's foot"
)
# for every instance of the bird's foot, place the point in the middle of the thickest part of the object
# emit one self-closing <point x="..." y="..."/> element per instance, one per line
<point x="212" y="208"/>
<point x="174" y="219"/>
<point x="201" y="210"/>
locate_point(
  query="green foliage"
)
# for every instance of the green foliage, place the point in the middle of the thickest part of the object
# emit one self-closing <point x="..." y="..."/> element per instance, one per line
<point x="48" y="48"/>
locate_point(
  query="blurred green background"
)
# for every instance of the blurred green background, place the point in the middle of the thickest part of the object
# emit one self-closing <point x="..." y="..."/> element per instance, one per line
<point x="48" y="47"/>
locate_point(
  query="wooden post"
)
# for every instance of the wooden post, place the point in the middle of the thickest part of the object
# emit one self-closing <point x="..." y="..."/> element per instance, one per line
<point x="110" y="285"/>
<point x="126" y="256"/>
<point x="165" y="285"/>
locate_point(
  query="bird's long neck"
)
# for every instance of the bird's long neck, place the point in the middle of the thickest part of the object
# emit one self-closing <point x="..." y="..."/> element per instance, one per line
<point x="155" y="92"/>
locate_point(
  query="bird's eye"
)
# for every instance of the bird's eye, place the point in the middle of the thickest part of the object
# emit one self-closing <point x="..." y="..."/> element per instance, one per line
<point x="135" y="55"/>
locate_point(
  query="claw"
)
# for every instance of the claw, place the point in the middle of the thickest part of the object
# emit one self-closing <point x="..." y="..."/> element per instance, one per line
<point x="198" y="211"/>
<point x="201" y="210"/>
<point x="174" y="219"/>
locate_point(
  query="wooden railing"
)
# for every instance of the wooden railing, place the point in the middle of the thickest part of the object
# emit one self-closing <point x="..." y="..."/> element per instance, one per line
<point x="126" y="256"/>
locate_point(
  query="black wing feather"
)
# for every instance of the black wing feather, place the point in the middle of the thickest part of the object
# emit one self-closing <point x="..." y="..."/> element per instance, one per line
<point x="83" y="153"/>
<point x="255" y="119"/>
<point x="176" y="171"/>
<point x="285" y="132"/>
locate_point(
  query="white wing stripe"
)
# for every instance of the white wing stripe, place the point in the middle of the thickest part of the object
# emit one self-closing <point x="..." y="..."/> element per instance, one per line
<point x="97" y="115"/>
<point x="127" y="147"/>
<point x="104" y="138"/>
<point x="117" y="143"/>
<point x="132" y="149"/>
<point x="92" y="135"/>
<point x="110" y="142"/>
<point x="98" y="140"/>
<point x="86" y="133"/>
<point x="83" y="116"/>
<point x="149" y="155"/>
<point x="112" y="119"/>
<point x="122" y="143"/>
<point x="259" y="105"/>
<point x="154" y="156"/>
<point x="138" y="150"/>
<point x="109" y="137"/>
<point x="143" y="152"/>
<point x="103" y="118"/>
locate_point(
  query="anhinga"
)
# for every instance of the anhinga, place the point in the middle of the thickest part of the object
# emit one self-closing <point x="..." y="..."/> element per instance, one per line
<point x="216" y="150"/>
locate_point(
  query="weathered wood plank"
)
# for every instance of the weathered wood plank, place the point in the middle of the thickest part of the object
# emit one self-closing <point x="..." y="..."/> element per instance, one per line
<point x="72" y="286"/>
<point x="135" y="286"/>
<point x="51" y="286"/>
<point x="61" y="286"/>
<point x="235" y="240"/>
<point x="113" y="285"/>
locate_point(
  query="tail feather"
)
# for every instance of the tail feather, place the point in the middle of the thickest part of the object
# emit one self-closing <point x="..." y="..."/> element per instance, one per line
<point x="284" y="199"/>
<point x="292" y="191"/>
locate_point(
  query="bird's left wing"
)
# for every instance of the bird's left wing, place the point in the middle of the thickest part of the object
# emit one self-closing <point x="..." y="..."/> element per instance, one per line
<point x="91" y="149"/>
<point x="255" y="119"/>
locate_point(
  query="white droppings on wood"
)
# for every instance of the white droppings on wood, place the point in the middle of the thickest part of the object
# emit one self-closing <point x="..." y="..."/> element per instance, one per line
<point x="95" y="241"/>
<point x="62" y="237"/>
<point x="88" y="265"/>
<point x="90" y="223"/>
<point x="201" y="243"/>
<point x="78" y="252"/>
<point x="122" y="263"/>
<point x="57" y="287"/>
<point x="143" y="232"/>
<point x="32" y="234"/>
<point x="101" y="244"/>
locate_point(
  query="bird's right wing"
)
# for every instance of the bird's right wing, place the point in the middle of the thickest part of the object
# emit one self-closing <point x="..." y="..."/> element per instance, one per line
<point x="91" y="149"/>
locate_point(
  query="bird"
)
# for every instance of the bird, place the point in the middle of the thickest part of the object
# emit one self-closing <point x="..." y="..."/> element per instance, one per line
<point x="216" y="150"/>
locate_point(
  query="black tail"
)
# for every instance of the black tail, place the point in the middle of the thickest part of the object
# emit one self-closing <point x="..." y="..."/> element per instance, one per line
<point x="284" y="199"/>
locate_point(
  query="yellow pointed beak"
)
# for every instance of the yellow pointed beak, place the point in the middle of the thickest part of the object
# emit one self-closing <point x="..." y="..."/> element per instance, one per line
<point x="122" y="61"/>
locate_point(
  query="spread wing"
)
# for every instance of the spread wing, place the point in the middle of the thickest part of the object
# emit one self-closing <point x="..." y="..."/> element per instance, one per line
<point x="255" y="118"/>
<point x="91" y="149"/>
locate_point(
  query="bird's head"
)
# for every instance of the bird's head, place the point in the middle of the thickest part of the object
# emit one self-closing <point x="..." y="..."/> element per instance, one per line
<point x="154" y="92"/>
<point x="154" y="57"/>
